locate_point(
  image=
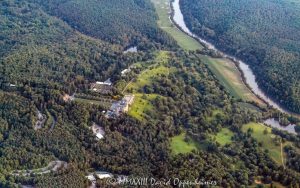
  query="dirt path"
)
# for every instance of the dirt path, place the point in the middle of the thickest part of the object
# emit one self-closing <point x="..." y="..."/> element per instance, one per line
<point x="282" y="156"/>
<point x="52" y="124"/>
<point x="132" y="81"/>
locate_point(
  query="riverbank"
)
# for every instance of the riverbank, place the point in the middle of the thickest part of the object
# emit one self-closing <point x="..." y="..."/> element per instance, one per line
<point x="231" y="79"/>
<point x="163" y="10"/>
<point x="246" y="73"/>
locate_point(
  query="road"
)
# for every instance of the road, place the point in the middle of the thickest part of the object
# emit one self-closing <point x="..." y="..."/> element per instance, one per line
<point x="52" y="166"/>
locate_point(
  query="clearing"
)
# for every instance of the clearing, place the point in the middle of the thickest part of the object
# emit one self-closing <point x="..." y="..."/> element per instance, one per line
<point x="180" y="145"/>
<point x="230" y="77"/>
<point x="142" y="106"/>
<point x="163" y="10"/>
<point x="224" y="136"/>
<point x="269" y="141"/>
<point x="151" y="72"/>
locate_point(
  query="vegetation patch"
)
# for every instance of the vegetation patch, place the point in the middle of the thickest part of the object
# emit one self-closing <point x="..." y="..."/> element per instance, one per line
<point x="268" y="40"/>
<point x="224" y="136"/>
<point x="142" y="106"/>
<point x="267" y="139"/>
<point x="214" y="114"/>
<point x="155" y="70"/>
<point x="182" y="144"/>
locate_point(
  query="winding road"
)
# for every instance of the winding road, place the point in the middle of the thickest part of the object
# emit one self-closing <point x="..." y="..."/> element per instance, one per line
<point x="52" y="166"/>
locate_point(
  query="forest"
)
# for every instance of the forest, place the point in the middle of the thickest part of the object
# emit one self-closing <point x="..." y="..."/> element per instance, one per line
<point x="137" y="147"/>
<point x="265" y="34"/>
<point x="125" y="22"/>
<point x="46" y="54"/>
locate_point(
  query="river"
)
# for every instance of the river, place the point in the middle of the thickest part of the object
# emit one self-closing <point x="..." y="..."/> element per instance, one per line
<point x="249" y="77"/>
<point x="275" y="124"/>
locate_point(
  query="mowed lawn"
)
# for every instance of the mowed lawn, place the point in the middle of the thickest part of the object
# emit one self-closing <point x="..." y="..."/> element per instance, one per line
<point x="142" y="106"/>
<point x="179" y="145"/>
<point x="267" y="140"/>
<point x="224" y="136"/>
<point x="230" y="77"/>
<point x="184" y="41"/>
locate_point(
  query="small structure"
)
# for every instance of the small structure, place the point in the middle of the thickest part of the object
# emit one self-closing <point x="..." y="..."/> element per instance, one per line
<point x="125" y="71"/>
<point x="106" y="82"/>
<point x="120" y="179"/>
<point x="98" y="131"/>
<point x="103" y="175"/>
<point x="120" y="107"/>
<point x="12" y="85"/>
<point x="102" y="87"/>
<point x="131" y="50"/>
<point x="68" y="98"/>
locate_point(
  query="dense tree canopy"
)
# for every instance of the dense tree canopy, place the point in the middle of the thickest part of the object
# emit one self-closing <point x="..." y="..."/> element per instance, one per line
<point x="125" y="22"/>
<point x="43" y="58"/>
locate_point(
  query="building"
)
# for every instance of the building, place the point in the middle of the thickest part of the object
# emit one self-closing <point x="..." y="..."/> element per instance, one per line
<point x="125" y="71"/>
<point x="106" y="82"/>
<point x="102" y="87"/>
<point x="120" y="107"/>
<point x="98" y="131"/>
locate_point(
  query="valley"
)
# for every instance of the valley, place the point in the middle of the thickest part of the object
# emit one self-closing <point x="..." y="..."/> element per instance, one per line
<point x="92" y="91"/>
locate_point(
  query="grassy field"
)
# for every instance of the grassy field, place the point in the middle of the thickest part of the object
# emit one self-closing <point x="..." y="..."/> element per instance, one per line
<point x="267" y="140"/>
<point x="162" y="8"/>
<point x="142" y="106"/>
<point x="230" y="78"/>
<point x="155" y="70"/>
<point x="224" y="136"/>
<point x="179" y="145"/>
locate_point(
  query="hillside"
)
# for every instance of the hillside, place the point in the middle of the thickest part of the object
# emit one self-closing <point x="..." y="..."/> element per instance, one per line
<point x="165" y="113"/>
<point x="39" y="49"/>
<point x="265" y="34"/>
<point x="125" y="22"/>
